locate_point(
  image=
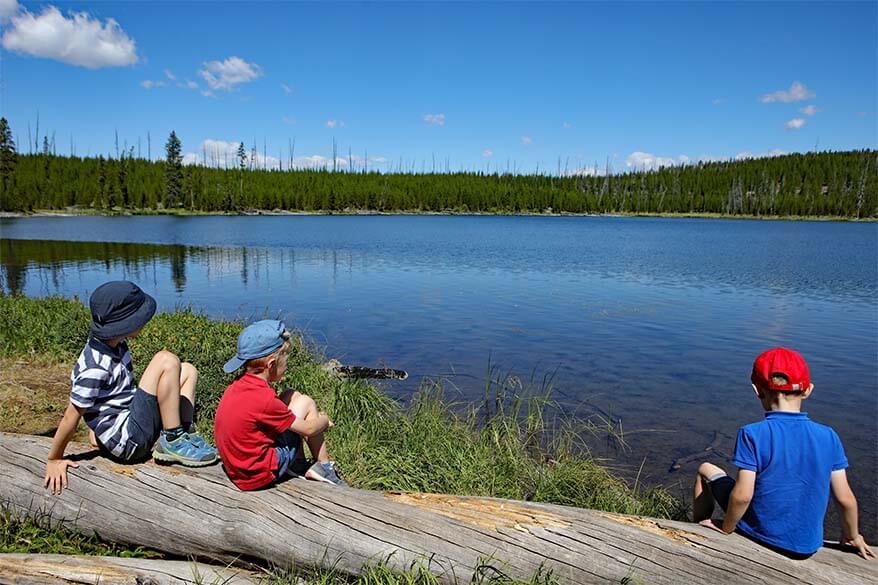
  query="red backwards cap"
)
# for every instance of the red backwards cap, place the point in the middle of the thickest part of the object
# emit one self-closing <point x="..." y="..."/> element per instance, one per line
<point x="785" y="362"/>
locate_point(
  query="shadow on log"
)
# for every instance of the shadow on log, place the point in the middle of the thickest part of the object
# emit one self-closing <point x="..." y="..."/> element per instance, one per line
<point x="77" y="569"/>
<point x="200" y="513"/>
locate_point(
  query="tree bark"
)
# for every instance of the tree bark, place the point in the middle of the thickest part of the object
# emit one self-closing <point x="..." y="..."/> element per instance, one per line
<point x="22" y="569"/>
<point x="200" y="513"/>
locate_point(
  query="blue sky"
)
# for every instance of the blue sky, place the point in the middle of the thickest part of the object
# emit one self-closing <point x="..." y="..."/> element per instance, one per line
<point x="473" y="85"/>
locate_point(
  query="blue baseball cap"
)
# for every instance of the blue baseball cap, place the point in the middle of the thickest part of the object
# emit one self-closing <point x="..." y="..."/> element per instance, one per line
<point x="258" y="340"/>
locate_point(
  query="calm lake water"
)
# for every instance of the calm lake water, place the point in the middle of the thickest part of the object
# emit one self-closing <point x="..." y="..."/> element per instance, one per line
<point x="654" y="322"/>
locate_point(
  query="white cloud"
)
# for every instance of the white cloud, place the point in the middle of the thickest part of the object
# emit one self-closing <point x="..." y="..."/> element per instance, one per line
<point x="150" y="84"/>
<point x="228" y="74"/>
<point x="525" y="140"/>
<point x="188" y="85"/>
<point x="717" y="101"/>
<point x="288" y="121"/>
<point x="797" y="93"/>
<point x="795" y="124"/>
<point x="587" y="171"/>
<point x="224" y="154"/>
<point x="8" y="9"/>
<point x="434" y="119"/>
<point x="170" y="75"/>
<point x="747" y="154"/>
<point x="335" y="124"/>
<point x="566" y="125"/>
<point x="488" y="153"/>
<point x="77" y="39"/>
<point x="809" y="110"/>
<point x="287" y="89"/>
<point x="645" y="161"/>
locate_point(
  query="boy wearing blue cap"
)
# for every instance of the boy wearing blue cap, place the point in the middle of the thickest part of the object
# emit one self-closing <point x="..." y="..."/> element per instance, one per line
<point x="126" y="419"/>
<point x="258" y="434"/>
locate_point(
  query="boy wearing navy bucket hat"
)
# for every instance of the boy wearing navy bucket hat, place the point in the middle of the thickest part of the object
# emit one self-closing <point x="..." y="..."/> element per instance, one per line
<point x="787" y="467"/>
<point x="258" y="433"/>
<point x="128" y="421"/>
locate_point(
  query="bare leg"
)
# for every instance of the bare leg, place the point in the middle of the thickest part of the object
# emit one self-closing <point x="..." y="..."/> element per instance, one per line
<point x="702" y="498"/>
<point x="162" y="379"/>
<point x="304" y="407"/>
<point x="188" y="381"/>
<point x="92" y="439"/>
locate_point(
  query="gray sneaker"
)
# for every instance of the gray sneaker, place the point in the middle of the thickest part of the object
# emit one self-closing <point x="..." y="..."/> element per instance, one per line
<point x="326" y="473"/>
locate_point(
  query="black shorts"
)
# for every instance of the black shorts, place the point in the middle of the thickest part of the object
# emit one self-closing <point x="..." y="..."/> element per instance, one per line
<point x="721" y="488"/>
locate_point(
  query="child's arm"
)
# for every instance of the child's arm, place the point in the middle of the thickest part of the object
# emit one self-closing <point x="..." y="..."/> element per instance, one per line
<point x="739" y="499"/>
<point x="848" y="504"/>
<point x="56" y="466"/>
<point x="311" y="424"/>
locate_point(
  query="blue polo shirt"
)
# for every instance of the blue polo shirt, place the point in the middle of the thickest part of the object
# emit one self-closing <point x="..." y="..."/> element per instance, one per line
<point x="793" y="458"/>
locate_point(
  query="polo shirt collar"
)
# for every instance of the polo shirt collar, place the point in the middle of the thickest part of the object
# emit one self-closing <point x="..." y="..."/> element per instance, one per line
<point x="102" y="347"/>
<point x="780" y="415"/>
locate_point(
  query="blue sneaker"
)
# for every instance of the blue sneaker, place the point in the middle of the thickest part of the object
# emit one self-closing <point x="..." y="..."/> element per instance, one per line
<point x="184" y="450"/>
<point x="197" y="439"/>
<point x="326" y="473"/>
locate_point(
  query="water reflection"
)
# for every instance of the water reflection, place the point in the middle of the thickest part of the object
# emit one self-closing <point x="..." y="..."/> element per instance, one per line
<point x="661" y="336"/>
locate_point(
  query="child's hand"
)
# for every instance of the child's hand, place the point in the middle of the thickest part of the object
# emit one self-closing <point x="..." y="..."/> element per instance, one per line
<point x="56" y="474"/>
<point x="329" y="423"/>
<point x="859" y="543"/>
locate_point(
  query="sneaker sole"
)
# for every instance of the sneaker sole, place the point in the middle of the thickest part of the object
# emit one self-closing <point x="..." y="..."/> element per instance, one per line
<point x="165" y="458"/>
<point x="315" y="477"/>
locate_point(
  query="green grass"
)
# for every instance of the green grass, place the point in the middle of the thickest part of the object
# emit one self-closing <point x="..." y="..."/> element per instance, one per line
<point x="506" y="447"/>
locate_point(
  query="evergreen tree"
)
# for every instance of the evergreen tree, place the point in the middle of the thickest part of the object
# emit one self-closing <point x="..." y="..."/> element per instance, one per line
<point x="242" y="165"/>
<point x="173" y="170"/>
<point x="8" y="158"/>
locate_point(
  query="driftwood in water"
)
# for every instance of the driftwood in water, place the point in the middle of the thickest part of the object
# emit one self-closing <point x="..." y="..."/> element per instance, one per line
<point x="200" y="513"/>
<point x="21" y="569"/>
<point x="341" y="371"/>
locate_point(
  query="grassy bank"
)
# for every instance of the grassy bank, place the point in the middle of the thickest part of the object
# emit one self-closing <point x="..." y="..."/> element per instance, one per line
<point x="504" y="447"/>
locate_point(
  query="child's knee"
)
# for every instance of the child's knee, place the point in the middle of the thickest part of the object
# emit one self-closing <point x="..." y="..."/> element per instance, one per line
<point x="188" y="371"/>
<point x="709" y="470"/>
<point x="167" y="360"/>
<point x="302" y="404"/>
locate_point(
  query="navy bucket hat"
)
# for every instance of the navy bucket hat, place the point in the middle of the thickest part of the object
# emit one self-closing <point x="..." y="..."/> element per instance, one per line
<point x="118" y="308"/>
<point x="258" y="340"/>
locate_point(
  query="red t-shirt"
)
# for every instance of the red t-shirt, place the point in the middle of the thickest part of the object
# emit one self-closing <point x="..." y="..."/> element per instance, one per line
<point x="249" y="418"/>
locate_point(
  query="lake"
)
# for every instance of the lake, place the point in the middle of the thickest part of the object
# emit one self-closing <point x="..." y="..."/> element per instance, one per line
<point x="652" y="322"/>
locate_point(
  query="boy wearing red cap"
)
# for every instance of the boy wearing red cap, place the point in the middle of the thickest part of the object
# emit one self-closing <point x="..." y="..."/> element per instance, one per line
<point x="787" y="466"/>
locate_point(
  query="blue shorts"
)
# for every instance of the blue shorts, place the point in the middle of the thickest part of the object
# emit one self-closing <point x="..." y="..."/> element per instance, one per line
<point x="287" y="446"/>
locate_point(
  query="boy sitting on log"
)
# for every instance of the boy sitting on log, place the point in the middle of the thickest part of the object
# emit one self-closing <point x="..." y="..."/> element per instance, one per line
<point x="787" y="466"/>
<point x="128" y="421"/>
<point x="258" y="434"/>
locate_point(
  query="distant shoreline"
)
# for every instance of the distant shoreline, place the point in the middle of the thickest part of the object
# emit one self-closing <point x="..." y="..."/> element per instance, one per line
<point x="370" y="212"/>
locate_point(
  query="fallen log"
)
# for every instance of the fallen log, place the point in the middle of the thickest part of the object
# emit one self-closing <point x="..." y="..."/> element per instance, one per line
<point x="22" y="569"/>
<point x="343" y="372"/>
<point x="200" y="513"/>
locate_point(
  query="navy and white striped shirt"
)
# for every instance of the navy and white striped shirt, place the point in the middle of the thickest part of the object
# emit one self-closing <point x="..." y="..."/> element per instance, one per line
<point x="103" y="384"/>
